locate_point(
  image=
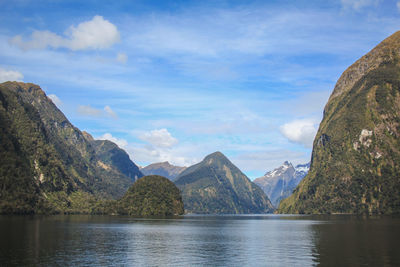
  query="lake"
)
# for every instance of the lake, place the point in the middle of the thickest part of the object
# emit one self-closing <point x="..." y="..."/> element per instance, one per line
<point x="237" y="240"/>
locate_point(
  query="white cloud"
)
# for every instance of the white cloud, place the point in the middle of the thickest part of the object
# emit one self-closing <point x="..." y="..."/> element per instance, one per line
<point x="122" y="143"/>
<point x="398" y="6"/>
<point x="161" y="146"/>
<point x="97" y="33"/>
<point x="10" y="75"/>
<point x="159" y="138"/>
<point x="89" y="111"/>
<point x="110" y="112"/>
<point x="358" y="4"/>
<point x="122" y="58"/>
<point x="300" y="131"/>
<point x="149" y="154"/>
<point x="55" y="99"/>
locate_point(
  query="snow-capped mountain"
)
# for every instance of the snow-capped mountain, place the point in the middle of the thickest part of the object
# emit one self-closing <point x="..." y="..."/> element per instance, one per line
<point x="280" y="182"/>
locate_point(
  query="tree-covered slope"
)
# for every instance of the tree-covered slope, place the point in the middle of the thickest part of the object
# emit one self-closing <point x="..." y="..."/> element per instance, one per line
<point x="151" y="195"/>
<point x="217" y="186"/>
<point x="356" y="153"/>
<point x="114" y="157"/>
<point x="46" y="164"/>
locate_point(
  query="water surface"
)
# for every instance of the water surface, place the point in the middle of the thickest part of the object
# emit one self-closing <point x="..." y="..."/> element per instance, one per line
<point x="252" y="240"/>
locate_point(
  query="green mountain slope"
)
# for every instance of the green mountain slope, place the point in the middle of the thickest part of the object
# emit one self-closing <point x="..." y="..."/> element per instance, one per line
<point x="216" y="186"/>
<point x="114" y="157"/>
<point x="151" y="195"/>
<point x="46" y="164"/>
<point x="356" y="153"/>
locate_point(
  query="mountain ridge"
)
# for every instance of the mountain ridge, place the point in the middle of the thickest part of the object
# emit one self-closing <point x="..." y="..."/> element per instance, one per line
<point x="215" y="185"/>
<point x="280" y="182"/>
<point x="163" y="169"/>
<point x="47" y="165"/>
<point x="356" y="151"/>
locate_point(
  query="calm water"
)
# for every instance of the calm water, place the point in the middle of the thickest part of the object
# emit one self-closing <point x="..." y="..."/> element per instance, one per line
<point x="265" y="240"/>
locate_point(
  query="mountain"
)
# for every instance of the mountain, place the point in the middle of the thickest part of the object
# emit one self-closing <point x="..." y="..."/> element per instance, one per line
<point x="279" y="183"/>
<point x="355" y="166"/>
<point x="114" y="157"/>
<point x="46" y="164"/>
<point x="217" y="186"/>
<point x="164" y="169"/>
<point x="152" y="195"/>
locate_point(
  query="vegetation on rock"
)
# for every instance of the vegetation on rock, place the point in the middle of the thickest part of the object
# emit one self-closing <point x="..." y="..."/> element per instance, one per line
<point x="46" y="164"/>
<point x="111" y="155"/>
<point x="151" y="195"/>
<point x="217" y="186"/>
<point x="356" y="153"/>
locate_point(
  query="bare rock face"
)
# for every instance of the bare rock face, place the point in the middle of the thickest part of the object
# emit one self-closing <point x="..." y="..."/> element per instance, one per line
<point x="355" y="165"/>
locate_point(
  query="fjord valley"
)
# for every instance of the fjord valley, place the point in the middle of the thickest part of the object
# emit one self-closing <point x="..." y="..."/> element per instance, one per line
<point x="200" y="133"/>
<point x="49" y="166"/>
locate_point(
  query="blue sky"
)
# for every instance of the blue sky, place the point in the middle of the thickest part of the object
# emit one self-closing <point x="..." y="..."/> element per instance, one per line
<point x="177" y="80"/>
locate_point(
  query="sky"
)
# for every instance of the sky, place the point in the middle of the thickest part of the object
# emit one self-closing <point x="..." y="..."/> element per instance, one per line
<point x="177" y="80"/>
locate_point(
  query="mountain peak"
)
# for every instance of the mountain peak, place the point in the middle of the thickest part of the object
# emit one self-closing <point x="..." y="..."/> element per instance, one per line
<point x="216" y="154"/>
<point x="280" y="182"/>
<point x="163" y="169"/>
<point x="216" y="157"/>
<point x="32" y="88"/>
<point x="383" y="52"/>
<point x="216" y="185"/>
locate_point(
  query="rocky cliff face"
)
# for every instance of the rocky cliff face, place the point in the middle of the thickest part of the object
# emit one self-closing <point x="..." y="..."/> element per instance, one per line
<point x="47" y="164"/>
<point x="216" y="186"/>
<point x="356" y="153"/>
<point x="164" y="169"/>
<point x="280" y="183"/>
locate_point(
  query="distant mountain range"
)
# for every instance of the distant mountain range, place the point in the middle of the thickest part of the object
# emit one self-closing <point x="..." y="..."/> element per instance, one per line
<point x="355" y="165"/>
<point x="46" y="164"/>
<point x="216" y="186"/>
<point x="279" y="183"/>
<point x="164" y="169"/>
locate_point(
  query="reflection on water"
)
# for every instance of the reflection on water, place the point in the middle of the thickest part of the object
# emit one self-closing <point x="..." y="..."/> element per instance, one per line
<point x="265" y="240"/>
<point x="353" y="241"/>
